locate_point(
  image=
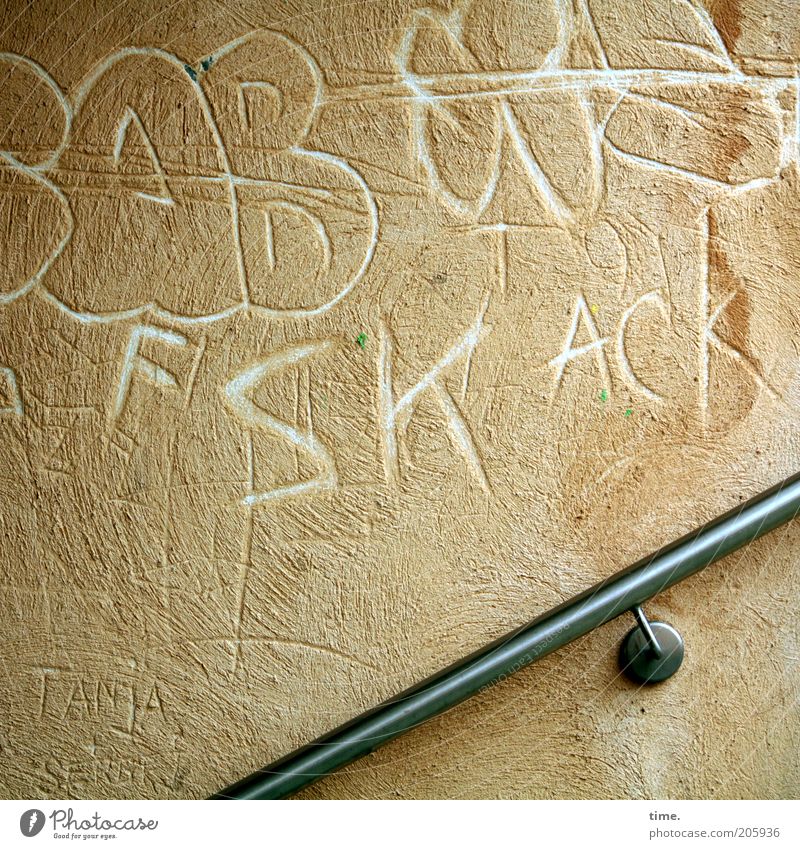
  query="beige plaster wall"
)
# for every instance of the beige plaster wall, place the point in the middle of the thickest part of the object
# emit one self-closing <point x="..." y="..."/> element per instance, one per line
<point x="337" y="339"/>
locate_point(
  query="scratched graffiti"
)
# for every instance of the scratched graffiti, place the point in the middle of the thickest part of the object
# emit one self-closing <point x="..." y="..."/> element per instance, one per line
<point x="225" y="160"/>
<point x="687" y="84"/>
<point x="258" y="196"/>
<point x="258" y="210"/>
<point x="466" y="97"/>
<point x="299" y="333"/>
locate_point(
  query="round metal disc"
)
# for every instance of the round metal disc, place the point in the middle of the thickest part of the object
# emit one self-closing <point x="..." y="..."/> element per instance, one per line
<point x="640" y="663"/>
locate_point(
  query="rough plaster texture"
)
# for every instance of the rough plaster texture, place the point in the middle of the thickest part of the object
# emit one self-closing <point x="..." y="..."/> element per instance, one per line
<point x="568" y="230"/>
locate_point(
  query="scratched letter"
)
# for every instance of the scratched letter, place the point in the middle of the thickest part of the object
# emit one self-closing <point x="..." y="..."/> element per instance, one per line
<point x="391" y="409"/>
<point x="238" y="394"/>
<point x="135" y="362"/>
<point x="12" y="394"/>
<point x="596" y="345"/>
<point x="627" y="369"/>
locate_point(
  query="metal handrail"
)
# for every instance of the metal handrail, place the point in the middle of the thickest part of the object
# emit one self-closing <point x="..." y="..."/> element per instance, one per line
<point x="624" y="591"/>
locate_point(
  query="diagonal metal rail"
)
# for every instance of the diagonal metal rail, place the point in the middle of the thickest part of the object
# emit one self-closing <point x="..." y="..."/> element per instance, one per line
<point x="624" y="591"/>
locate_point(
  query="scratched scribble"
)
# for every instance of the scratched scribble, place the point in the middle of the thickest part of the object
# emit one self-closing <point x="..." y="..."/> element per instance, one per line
<point x="333" y="343"/>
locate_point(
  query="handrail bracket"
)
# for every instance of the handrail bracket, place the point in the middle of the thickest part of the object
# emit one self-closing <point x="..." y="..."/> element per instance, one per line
<point x="652" y="651"/>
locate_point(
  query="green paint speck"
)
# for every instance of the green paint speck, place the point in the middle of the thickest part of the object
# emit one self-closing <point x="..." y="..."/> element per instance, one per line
<point x="361" y="340"/>
<point x="604" y="396"/>
<point x="628" y="411"/>
<point x="191" y="72"/>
